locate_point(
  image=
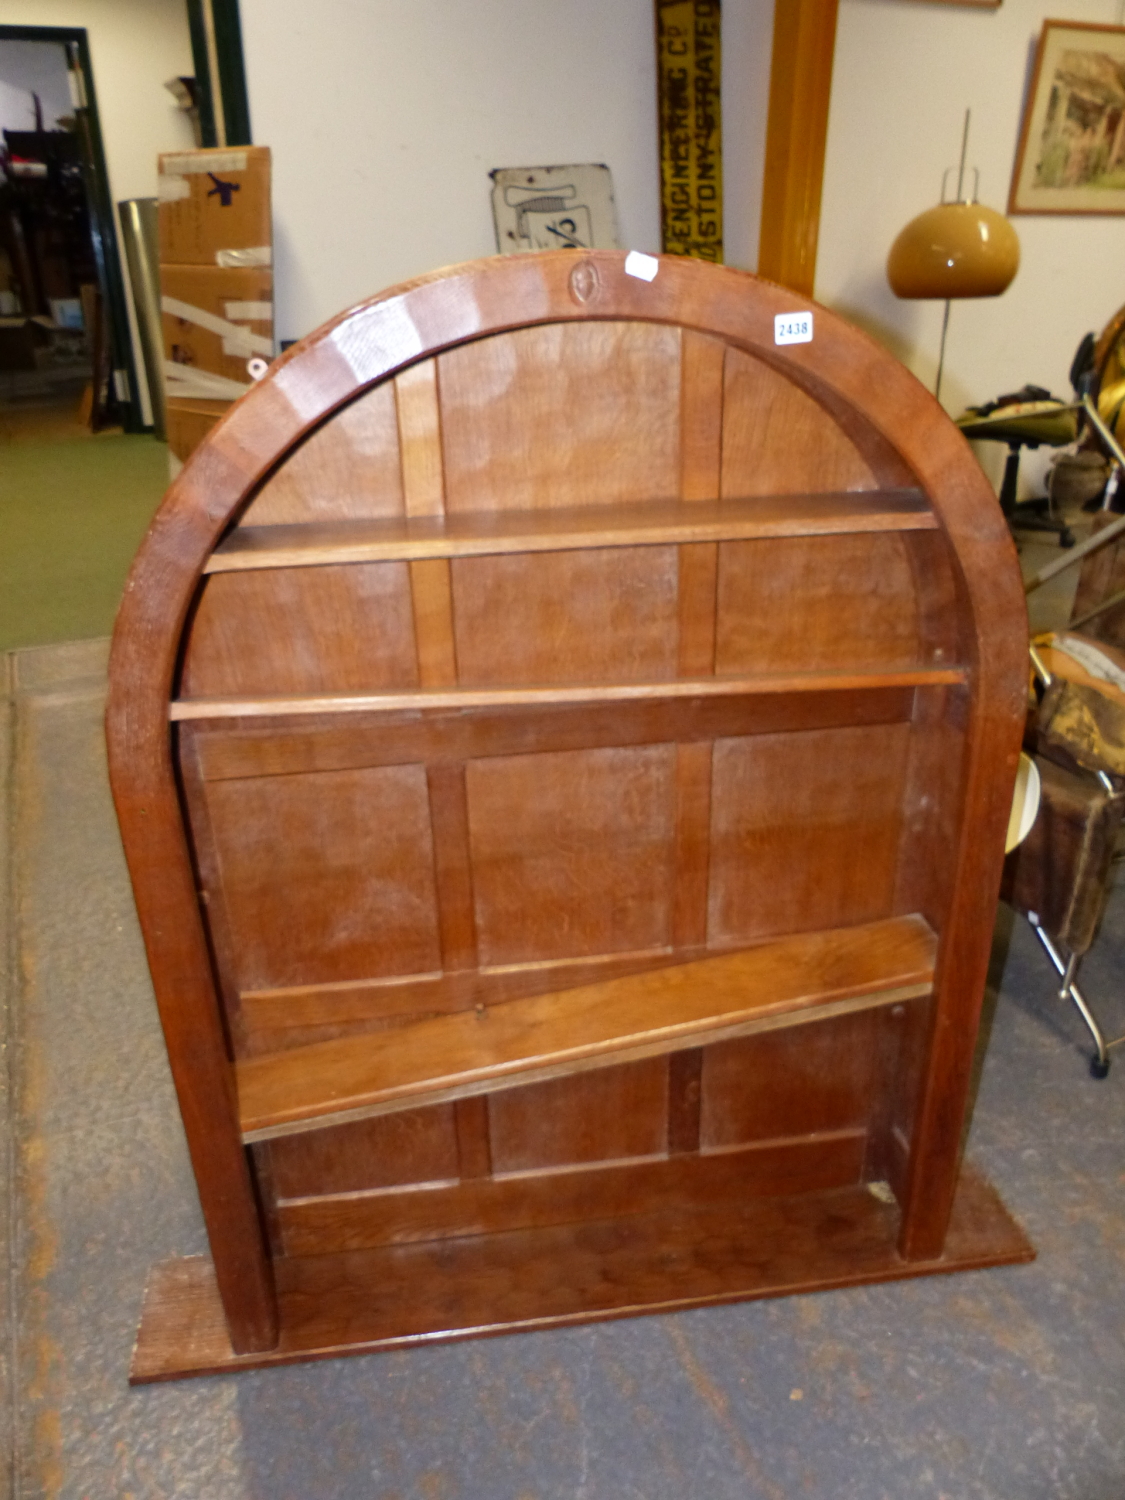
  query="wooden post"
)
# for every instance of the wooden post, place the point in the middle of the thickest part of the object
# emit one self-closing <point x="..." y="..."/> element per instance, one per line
<point x="804" y="40"/>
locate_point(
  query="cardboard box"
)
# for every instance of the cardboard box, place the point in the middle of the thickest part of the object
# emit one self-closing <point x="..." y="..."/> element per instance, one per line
<point x="215" y="207"/>
<point x="214" y="321"/>
<point x="188" y="423"/>
<point x="20" y="339"/>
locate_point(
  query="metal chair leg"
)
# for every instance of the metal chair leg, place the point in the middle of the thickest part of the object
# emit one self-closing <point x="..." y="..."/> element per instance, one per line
<point x="1068" y="990"/>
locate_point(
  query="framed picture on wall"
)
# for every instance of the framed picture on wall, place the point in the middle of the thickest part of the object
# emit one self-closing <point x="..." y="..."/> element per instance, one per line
<point x="1071" y="155"/>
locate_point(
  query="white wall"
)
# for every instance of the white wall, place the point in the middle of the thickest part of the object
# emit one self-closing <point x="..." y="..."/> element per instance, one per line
<point x="386" y="116"/>
<point x="27" y="68"/>
<point x="904" y="75"/>
<point x="747" y="45"/>
<point x="135" y="45"/>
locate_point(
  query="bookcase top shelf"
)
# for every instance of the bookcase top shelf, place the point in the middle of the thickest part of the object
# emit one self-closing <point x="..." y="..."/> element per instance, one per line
<point x="490" y="533"/>
<point x="545" y="697"/>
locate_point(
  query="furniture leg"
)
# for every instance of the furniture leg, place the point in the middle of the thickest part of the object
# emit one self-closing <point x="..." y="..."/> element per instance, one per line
<point x="936" y="1134"/>
<point x="1068" y="972"/>
<point x="1025" y="517"/>
<point x="1010" y="480"/>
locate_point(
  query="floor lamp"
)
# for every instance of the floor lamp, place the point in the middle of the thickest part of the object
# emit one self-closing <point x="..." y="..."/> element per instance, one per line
<point x="958" y="249"/>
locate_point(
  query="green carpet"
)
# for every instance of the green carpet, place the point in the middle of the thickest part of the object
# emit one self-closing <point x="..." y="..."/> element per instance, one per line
<point x="72" y="514"/>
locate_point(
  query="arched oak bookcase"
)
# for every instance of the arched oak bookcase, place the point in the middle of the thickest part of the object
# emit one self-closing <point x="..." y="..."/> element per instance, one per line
<point x="563" y="741"/>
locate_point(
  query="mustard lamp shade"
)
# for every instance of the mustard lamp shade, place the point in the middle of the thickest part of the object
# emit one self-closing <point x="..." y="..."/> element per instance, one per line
<point x="954" y="250"/>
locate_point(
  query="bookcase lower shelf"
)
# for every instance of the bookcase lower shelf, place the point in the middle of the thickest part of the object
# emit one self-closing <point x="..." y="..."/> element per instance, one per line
<point x="785" y="982"/>
<point x="401" y="1296"/>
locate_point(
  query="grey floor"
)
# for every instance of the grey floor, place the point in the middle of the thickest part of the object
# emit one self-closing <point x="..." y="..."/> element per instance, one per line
<point x="1001" y="1385"/>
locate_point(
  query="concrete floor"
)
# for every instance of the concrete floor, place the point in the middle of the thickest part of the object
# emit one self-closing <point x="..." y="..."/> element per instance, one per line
<point x="988" y="1386"/>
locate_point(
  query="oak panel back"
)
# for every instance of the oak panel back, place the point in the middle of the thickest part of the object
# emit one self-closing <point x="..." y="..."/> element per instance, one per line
<point x="359" y="871"/>
<point x="502" y="863"/>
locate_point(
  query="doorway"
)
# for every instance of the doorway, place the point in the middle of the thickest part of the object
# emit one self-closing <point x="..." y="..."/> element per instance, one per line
<point x="65" y="348"/>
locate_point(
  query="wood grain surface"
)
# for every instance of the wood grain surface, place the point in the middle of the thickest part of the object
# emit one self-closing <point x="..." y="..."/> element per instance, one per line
<point x="587" y="1192"/>
<point x="804" y="46"/>
<point x="838" y="681"/>
<point x="360" y="1302"/>
<point x="790" y="981"/>
<point x="228" y="751"/>
<point x="555" y="529"/>
<point x="504" y="642"/>
<point x="563" y="414"/>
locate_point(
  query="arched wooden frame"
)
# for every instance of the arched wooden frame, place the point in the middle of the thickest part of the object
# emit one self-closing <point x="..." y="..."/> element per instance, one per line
<point x="901" y="431"/>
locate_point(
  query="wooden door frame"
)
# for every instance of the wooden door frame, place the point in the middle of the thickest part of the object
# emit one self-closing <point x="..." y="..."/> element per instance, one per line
<point x="220" y="72"/>
<point x="804" y="44"/>
<point x="103" y="224"/>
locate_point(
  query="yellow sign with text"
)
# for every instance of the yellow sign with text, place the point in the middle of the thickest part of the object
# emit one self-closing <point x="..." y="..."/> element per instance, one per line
<point x="691" y="131"/>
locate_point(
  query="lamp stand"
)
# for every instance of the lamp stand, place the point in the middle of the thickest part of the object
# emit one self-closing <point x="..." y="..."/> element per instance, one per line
<point x="960" y="190"/>
<point x="941" y="351"/>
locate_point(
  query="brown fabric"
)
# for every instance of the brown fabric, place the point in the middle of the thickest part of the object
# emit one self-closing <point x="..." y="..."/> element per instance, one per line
<point x="1060" y="870"/>
<point x="1101" y="575"/>
<point x="1081" y="726"/>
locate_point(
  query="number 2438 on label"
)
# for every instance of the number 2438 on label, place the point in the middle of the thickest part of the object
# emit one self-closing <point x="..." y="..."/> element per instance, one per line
<point x="792" y="328"/>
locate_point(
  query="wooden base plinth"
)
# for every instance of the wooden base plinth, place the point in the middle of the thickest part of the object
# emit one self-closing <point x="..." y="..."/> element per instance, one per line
<point x="400" y="1296"/>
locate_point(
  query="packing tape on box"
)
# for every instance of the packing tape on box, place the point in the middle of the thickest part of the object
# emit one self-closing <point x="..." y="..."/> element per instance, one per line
<point x="170" y="189"/>
<point x="245" y="312"/>
<point x="172" y="182"/>
<point x="236" y="340"/>
<point x="248" y="312"/>
<point x="187" y="380"/>
<point x="251" y="258"/>
<point x="192" y="163"/>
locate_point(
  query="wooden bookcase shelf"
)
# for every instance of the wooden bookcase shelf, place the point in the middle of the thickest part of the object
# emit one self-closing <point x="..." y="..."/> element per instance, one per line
<point x="546" y="697"/>
<point x="561" y="902"/>
<point x="497" y="533"/>
<point x="810" y="977"/>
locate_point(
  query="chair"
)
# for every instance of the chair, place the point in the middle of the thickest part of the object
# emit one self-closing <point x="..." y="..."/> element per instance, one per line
<point x="1059" y="876"/>
<point x="1027" y="419"/>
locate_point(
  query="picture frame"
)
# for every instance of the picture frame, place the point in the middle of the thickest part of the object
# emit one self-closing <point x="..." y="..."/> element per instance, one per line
<point x="1071" y="153"/>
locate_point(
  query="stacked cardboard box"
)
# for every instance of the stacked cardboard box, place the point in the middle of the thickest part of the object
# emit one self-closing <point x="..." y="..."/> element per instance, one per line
<point x="216" y="282"/>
